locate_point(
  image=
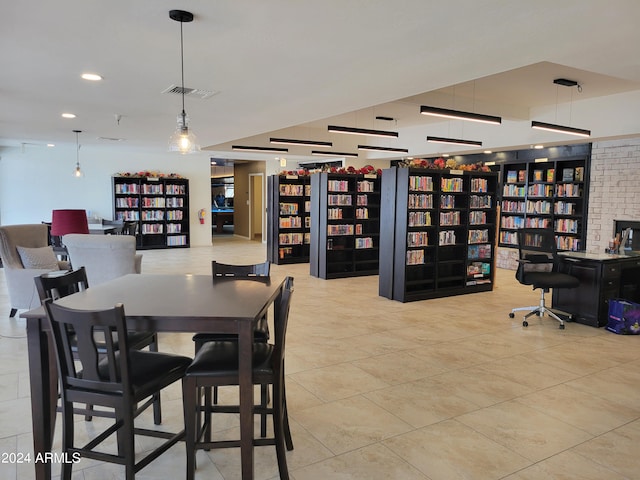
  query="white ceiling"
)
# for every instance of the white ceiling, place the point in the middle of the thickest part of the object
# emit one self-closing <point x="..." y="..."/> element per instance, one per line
<point x="289" y="68"/>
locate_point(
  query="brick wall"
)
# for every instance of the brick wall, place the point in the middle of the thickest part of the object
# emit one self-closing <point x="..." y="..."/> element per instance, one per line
<point x="614" y="194"/>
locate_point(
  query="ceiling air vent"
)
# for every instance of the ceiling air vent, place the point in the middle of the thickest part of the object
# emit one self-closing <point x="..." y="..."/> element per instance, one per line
<point x="189" y="92"/>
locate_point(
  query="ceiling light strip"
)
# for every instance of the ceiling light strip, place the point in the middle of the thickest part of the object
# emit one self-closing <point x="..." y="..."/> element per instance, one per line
<point x="361" y="131"/>
<point x="550" y="127"/>
<point x="247" y="148"/>
<point x="292" y="141"/>
<point x="454" y="141"/>
<point x="382" y="149"/>
<point x="327" y="153"/>
<point x="459" y="115"/>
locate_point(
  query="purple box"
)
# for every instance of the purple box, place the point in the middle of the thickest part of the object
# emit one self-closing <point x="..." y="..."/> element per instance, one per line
<point x="624" y="317"/>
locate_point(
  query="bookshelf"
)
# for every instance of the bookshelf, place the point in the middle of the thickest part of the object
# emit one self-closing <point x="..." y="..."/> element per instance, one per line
<point x="438" y="233"/>
<point x="345" y="225"/>
<point x="549" y="194"/>
<point x="288" y="226"/>
<point x="159" y="206"/>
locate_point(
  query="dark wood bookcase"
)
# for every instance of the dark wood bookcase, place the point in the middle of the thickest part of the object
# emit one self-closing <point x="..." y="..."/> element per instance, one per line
<point x="547" y="194"/>
<point x="438" y="233"/>
<point x="159" y="206"/>
<point x="288" y="226"/>
<point x="345" y="225"/>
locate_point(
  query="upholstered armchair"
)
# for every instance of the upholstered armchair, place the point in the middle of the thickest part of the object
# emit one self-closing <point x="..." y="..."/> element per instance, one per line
<point x="25" y="255"/>
<point x="104" y="257"/>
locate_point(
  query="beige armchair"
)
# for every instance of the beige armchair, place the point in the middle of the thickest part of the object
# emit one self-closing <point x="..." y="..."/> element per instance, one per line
<point x="20" y="284"/>
<point x="104" y="257"/>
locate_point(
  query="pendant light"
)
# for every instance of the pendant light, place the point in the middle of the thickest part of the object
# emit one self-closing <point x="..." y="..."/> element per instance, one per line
<point x="77" y="172"/>
<point x="183" y="140"/>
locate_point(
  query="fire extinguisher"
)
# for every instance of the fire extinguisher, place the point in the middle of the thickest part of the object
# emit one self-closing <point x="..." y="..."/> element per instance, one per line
<point x="201" y="215"/>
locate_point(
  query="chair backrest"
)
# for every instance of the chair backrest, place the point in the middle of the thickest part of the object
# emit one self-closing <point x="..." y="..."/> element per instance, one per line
<point x="225" y="270"/>
<point x="83" y="368"/>
<point x="57" y="285"/>
<point x="12" y="236"/>
<point x="117" y="225"/>
<point x="537" y="251"/>
<point x="104" y="256"/>
<point x="280" y="323"/>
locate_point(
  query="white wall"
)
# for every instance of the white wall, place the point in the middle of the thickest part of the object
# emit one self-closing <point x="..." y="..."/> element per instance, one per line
<point x="35" y="180"/>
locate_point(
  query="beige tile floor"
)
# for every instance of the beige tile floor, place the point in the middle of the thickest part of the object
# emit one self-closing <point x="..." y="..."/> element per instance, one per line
<point x="442" y="389"/>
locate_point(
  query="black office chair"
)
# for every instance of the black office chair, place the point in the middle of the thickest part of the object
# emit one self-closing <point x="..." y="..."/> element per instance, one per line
<point x="121" y="378"/>
<point x="216" y="364"/>
<point x="537" y="267"/>
<point x="55" y="285"/>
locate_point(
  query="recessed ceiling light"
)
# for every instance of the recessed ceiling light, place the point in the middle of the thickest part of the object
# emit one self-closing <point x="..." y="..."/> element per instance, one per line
<point x="538" y="147"/>
<point x="51" y="145"/>
<point x="488" y="151"/>
<point x="68" y="115"/>
<point x="94" y="77"/>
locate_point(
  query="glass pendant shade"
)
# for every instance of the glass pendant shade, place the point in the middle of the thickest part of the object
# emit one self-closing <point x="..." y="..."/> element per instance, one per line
<point x="77" y="172"/>
<point x="183" y="141"/>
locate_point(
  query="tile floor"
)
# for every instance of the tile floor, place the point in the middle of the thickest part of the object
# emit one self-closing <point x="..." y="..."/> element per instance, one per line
<point x="442" y="389"/>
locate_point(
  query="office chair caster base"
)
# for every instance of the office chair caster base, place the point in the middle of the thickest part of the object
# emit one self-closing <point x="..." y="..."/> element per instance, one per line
<point x="525" y="323"/>
<point x="561" y="326"/>
<point x="512" y="315"/>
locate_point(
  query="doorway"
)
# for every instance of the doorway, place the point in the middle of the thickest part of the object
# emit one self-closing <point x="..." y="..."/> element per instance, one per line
<point x="256" y="207"/>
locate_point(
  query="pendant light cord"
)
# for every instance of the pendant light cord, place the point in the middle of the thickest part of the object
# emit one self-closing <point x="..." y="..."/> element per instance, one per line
<point x="184" y="122"/>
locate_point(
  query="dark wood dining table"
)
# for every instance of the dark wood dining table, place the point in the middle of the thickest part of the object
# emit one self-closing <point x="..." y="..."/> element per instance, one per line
<point x="161" y="303"/>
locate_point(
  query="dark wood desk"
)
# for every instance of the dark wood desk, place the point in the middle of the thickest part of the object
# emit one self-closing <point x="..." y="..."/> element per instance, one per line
<point x="164" y="303"/>
<point x="602" y="277"/>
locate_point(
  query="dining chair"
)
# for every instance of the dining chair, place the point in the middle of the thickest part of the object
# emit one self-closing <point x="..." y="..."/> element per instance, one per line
<point x="56" y="285"/>
<point x="117" y="225"/>
<point x="121" y="378"/>
<point x="259" y="270"/>
<point x="538" y="267"/>
<point x="261" y="331"/>
<point x="216" y="364"/>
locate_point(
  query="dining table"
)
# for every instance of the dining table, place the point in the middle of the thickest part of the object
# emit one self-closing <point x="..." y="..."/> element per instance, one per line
<point x="161" y="303"/>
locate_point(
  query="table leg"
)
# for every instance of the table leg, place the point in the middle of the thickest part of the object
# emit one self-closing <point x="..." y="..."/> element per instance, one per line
<point x="42" y="376"/>
<point x="245" y="344"/>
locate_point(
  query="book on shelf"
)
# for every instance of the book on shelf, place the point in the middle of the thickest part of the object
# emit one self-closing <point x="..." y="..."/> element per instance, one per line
<point x="567" y="174"/>
<point x="551" y="173"/>
<point x="579" y="174"/>
<point x="537" y="175"/>
<point x="522" y="176"/>
<point x="512" y="176"/>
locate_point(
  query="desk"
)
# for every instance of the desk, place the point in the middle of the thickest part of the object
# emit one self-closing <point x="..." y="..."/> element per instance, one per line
<point x="221" y="217"/>
<point x="164" y="303"/>
<point x="602" y="277"/>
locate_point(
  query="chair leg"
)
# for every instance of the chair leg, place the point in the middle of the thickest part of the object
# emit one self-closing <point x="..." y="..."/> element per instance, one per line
<point x="191" y="400"/>
<point x="67" y="438"/>
<point x="264" y="402"/>
<point x="285" y="420"/>
<point x="88" y="418"/>
<point x="208" y="429"/>
<point x="128" y="449"/>
<point x="157" y="409"/>
<point x="13" y="312"/>
<point x="278" y="429"/>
